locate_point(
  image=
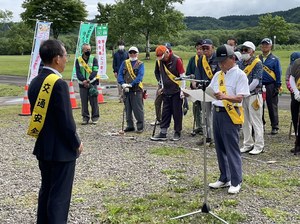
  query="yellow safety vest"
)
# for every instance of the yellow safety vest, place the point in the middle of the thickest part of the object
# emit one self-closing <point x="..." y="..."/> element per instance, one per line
<point x="250" y="67"/>
<point x="230" y="109"/>
<point x="169" y="74"/>
<point x="41" y="106"/>
<point x="206" y="67"/>
<point x="131" y="73"/>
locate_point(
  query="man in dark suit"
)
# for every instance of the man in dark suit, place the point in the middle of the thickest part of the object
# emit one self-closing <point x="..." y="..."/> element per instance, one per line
<point x="57" y="146"/>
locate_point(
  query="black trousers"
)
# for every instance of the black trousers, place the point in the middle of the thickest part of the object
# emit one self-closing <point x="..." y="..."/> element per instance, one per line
<point x="172" y="106"/>
<point x="55" y="192"/>
<point x="272" y="104"/>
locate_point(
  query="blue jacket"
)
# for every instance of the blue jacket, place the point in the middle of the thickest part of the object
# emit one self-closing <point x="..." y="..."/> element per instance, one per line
<point x="272" y="62"/>
<point x="138" y="72"/>
<point x="119" y="57"/>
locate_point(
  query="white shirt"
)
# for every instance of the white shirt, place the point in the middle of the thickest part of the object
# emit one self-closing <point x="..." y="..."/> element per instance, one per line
<point x="236" y="83"/>
<point x="53" y="70"/>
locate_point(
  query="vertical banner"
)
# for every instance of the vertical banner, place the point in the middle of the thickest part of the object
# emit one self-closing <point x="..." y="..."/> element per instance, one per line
<point x="85" y="32"/>
<point x="101" y="37"/>
<point x="42" y="32"/>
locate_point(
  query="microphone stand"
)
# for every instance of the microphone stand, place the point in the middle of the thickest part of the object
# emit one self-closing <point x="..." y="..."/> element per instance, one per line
<point x="205" y="207"/>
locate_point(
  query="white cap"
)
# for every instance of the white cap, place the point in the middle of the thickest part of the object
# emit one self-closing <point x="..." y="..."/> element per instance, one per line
<point x="133" y="48"/>
<point x="238" y="55"/>
<point x="249" y="44"/>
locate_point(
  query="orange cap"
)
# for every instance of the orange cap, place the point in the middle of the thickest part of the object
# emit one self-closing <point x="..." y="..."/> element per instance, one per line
<point x="160" y="50"/>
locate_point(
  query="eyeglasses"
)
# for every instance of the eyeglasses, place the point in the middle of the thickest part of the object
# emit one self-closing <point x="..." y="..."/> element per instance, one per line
<point x="245" y="50"/>
<point x="132" y="52"/>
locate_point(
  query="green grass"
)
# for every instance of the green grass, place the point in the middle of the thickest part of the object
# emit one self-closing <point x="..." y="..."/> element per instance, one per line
<point x="8" y="65"/>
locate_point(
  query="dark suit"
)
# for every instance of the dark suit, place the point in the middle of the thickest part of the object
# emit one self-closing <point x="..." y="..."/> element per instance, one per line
<point x="56" y="148"/>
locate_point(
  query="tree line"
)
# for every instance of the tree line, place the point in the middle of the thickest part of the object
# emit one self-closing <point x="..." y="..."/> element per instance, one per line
<point x="144" y="23"/>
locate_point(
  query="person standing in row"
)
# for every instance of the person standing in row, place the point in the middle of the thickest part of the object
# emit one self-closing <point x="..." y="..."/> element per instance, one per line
<point x="295" y="104"/>
<point x="205" y="71"/>
<point x="272" y="81"/>
<point x="57" y="144"/>
<point x="229" y="86"/>
<point x="252" y="104"/>
<point x="118" y="58"/>
<point x="170" y="67"/>
<point x="130" y="77"/>
<point x="191" y="70"/>
<point x="86" y="72"/>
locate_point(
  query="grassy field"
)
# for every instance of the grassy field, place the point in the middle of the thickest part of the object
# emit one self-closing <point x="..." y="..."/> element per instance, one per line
<point x="18" y="65"/>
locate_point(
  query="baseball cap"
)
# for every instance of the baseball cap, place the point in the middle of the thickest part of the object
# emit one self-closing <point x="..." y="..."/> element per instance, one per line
<point x="207" y="42"/>
<point x="160" y="50"/>
<point x="294" y="56"/>
<point x="223" y="52"/>
<point x="168" y="45"/>
<point x="266" y="41"/>
<point x="249" y="44"/>
<point x="133" y="48"/>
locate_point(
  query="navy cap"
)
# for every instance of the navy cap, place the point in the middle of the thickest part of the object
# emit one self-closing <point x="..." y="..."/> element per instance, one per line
<point x="294" y="56"/>
<point x="266" y="41"/>
<point x="168" y="45"/>
<point x="207" y="42"/>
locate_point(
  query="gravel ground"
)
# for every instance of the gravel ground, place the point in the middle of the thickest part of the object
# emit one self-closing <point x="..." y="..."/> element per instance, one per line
<point x="123" y="168"/>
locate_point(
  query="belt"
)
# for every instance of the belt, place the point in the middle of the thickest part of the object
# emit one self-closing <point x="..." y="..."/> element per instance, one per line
<point x="222" y="109"/>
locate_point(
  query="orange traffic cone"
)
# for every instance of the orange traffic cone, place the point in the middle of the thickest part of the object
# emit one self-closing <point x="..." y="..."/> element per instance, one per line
<point x="26" y="104"/>
<point x="100" y="95"/>
<point x="72" y="96"/>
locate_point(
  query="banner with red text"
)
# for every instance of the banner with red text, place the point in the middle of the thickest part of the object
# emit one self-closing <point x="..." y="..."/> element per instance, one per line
<point x="101" y="37"/>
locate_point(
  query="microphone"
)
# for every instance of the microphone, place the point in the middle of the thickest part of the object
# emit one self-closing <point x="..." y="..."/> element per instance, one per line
<point x="184" y="77"/>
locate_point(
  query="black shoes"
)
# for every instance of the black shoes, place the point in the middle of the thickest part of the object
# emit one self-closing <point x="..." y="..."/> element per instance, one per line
<point x="129" y="129"/>
<point x="176" y="136"/>
<point x="274" y="131"/>
<point x="159" y="137"/>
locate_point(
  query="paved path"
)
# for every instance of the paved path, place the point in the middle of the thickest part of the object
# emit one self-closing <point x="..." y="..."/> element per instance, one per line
<point x="110" y="91"/>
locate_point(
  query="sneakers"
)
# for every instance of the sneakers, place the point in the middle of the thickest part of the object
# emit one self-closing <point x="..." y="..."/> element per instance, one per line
<point x="208" y="142"/>
<point x="159" y="137"/>
<point x="153" y="123"/>
<point x="256" y="151"/>
<point x="234" y="189"/>
<point x="176" y="136"/>
<point x="84" y="122"/>
<point x="95" y="122"/>
<point x="197" y="131"/>
<point x="274" y="131"/>
<point x="139" y="131"/>
<point x="246" y="149"/>
<point x="129" y="129"/>
<point x="219" y="184"/>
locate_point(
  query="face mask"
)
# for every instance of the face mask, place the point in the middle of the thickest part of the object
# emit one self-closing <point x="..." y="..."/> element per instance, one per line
<point x="121" y="47"/>
<point x="245" y="57"/>
<point x="87" y="53"/>
<point x="133" y="58"/>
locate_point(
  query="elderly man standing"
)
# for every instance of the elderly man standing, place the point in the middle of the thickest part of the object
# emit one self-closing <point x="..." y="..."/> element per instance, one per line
<point x="272" y="80"/>
<point x="252" y="104"/>
<point x="170" y="68"/>
<point x="205" y="71"/>
<point x="130" y="77"/>
<point x="229" y="86"/>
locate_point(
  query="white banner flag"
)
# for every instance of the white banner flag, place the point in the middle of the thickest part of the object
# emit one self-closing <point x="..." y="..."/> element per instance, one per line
<point x="42" y="32"/>
<point x="101" y="37"/>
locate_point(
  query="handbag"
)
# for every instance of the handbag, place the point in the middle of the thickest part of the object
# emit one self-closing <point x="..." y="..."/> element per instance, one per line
<point x="93" y="91"/>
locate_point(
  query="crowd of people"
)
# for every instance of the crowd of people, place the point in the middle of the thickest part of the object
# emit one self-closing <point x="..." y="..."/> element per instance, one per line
<point x="239" y="81"/>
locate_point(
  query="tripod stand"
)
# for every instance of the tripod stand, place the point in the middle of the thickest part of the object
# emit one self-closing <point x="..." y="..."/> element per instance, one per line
<point x="205" y="207"/>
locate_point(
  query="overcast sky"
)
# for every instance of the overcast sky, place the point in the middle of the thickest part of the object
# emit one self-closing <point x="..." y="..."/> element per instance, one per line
<point x="213" y="8"/>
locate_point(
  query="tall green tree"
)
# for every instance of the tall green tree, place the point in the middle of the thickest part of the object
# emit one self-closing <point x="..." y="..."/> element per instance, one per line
<point x="5" y="16"/>
<point x="270" y="26"/>
<point x="148" y="18"/>
<point x="65" y="15"/>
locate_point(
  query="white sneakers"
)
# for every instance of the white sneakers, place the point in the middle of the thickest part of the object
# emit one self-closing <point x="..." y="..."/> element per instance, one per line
<point x="251" y="149"/>
<point x="246" y="149"/>
<point x="234" y="189"/>
<point x="220" y="184"/>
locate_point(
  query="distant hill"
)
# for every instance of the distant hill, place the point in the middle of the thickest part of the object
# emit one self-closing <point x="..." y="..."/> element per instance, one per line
<point x="237" y="22"/>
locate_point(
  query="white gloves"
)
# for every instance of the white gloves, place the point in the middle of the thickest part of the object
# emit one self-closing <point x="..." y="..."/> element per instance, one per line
<point x="297" y="96"/>
<point x="126" y="87"/>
